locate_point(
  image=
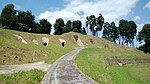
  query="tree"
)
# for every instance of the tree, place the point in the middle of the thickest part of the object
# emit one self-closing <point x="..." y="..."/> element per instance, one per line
<point x="123" y="27"/>
<point x="107" y="31"/>
<point x="36" y="28"/>
<point x="23" y="27"/>
<point x="45" y="26"/>
<point x="84" y="31"/>
<point x="131" y="32"/>
<point x="58" y="26"/>
<point x="26" y="18"/>
<point x="95" y="24"/>
<point x="127" y="31"/>
<point x="76" y="25"/>
<point x="87" y="23"/>
<point x="115" y="32"/>
<point x="91" y="22"/>
<point x="144" y="34"/>
<point x="100" y="22"/>
<point x="110" y="32"/>
<point x="68" y="27"/>
<point x="79" y="25"/>
<point x="8" y="16"/>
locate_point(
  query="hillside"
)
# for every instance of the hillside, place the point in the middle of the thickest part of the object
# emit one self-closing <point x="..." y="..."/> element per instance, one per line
<point x="13" y="51"/>
<point x="99" y="60"/>
<point x="108" y="63"/>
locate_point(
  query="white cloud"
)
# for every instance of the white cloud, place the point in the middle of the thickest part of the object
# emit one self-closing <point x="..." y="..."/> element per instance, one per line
<point x="66" y="15"/>
<point x="136" y="18"/>
<point x="112" y="10"/>
<point x="17" y="7"/>
<point x="147" y="5"/>
<point x="139" y="27"/>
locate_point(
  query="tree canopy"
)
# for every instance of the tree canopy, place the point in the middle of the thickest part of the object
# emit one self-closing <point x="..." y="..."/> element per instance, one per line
<point x="22" y="21"/>
<point x="76" y="25"/>
<point x="8" y="16"/>
<point x="68" y="27"/>
<point x="145" y="36"/>
<point x="95" y="23"/>
<point x="58" y="26"/>
<point x="45" y="26"/>
<point x="27" y="19"/>
<point x="115" y="32"/>
<point x="127" y="31"/>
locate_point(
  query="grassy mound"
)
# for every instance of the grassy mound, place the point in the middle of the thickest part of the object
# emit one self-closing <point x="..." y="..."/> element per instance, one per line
<point x="22" y="77"/>
<point x="92" y="61"/>
<point x="11" y="47"/>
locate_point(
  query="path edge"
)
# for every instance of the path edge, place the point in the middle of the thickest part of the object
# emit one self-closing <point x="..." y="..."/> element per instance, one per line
<point x="76" y="67"/>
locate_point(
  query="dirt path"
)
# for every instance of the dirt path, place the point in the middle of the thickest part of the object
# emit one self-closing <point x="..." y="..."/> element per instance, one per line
<point x="4" y="69"/>
<point x="63" y="71"/>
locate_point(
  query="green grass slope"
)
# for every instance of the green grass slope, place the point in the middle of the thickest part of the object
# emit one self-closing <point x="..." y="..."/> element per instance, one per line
<point x="92" y="62"/>
<point x="10" y="47"/>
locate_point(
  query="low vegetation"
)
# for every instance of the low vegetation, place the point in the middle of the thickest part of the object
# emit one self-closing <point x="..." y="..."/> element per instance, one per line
<point x="92" y="61"/>
<point x="22" y="77"/>
<point x="13" y="51"/>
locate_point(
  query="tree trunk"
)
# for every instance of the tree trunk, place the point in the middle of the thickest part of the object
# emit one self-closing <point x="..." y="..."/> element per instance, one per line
<point x="119" y="40"/>
<point x="132" y="43"/>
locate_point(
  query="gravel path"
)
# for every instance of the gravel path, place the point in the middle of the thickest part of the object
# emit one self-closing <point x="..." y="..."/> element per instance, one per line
<point x="5" y="69"/>
<point x="63" y="71"/>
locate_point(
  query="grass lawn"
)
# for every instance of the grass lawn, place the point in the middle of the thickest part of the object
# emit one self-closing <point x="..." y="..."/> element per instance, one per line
<point x="22" y="77"/>
<point x="91" y="61"/>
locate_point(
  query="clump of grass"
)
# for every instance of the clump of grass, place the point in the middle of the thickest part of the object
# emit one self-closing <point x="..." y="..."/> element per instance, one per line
<point x="23" y="77"/>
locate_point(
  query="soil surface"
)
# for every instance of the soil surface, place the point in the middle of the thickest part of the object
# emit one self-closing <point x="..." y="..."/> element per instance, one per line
<point x="63" y="71"/>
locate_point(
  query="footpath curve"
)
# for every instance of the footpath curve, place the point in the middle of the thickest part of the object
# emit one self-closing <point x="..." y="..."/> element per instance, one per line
<point x="63" y="71"/>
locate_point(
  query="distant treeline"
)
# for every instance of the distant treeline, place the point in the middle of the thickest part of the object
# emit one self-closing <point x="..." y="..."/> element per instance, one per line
<point x="125" y="33"/>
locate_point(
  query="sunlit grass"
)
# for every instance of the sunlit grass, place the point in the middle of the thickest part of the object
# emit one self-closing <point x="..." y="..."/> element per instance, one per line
<point x="22" y="77"/>
<point x="92" y="62"/>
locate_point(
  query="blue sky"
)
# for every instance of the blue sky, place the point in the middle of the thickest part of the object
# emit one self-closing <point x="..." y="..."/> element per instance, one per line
<point x="36" y="6"/>
<point x="138" y="12"/>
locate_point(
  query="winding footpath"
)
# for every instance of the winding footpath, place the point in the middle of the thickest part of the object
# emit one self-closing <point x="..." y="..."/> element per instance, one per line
<point x="63" y="71"/>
